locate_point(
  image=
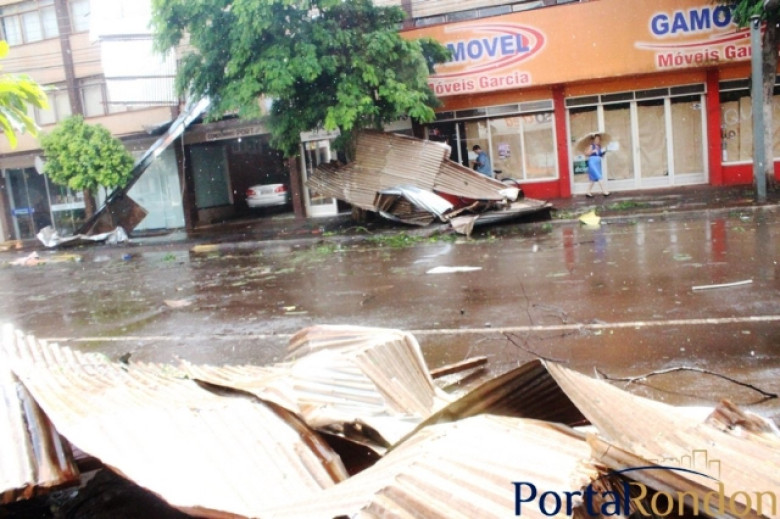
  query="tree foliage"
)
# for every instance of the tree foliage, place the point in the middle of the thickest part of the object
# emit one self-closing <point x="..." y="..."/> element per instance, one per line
<point x="17" y="92"/>
<point x="328" y="63"/>
<point x="83" y="156"/>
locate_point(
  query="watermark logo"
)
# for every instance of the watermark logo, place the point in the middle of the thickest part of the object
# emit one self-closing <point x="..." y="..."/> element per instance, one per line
<point x="623" y="493"/>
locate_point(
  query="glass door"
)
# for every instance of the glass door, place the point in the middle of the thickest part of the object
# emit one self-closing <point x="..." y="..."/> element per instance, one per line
<point x="314" y="153"/>
<point x="653" y="153"/>
<point x="582" y="121"/>
<point x="619" y="160"/>
<point x="688" y="139"/>
<point x="29" y="202"/>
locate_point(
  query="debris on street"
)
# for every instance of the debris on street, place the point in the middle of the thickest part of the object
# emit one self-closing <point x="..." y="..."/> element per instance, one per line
<point x="723" y="285"/>
<point x="49" y="237"/>
<point x="451" y="270"/>
<point x="413" y="181"/>
<point x="352" y="424"/>
<point x="34" y="259"/>
<point x="590" y="219"/>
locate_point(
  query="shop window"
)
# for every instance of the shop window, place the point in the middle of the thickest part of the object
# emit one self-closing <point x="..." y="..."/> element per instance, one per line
<point x="617" y="122"/>
<point x="688" y="132"/>
<point x="653" y="158"/>
<point x="581" y="122"/>
<point x="79" y="15"/>
<point x="520" y="147"/>
<point x="736" y="114"/>
<point x="28" y="22"/>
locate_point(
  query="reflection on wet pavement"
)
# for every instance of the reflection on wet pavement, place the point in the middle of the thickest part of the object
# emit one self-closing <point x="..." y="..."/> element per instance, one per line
<point x="544" y="284"/>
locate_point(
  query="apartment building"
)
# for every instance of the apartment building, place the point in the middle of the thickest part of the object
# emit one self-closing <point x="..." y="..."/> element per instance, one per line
<point x="95" y="58"/>
<point x="50" y="41"/>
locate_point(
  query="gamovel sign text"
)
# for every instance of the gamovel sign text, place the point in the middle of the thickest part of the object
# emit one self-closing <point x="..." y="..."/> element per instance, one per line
<point x="485" y="56"/>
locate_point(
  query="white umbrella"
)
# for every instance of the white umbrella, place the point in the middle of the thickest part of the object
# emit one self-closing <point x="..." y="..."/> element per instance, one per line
<point x="582" y="144"/>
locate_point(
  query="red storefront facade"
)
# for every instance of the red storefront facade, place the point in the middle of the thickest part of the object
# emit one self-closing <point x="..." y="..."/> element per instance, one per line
<point x="666" y="79"/>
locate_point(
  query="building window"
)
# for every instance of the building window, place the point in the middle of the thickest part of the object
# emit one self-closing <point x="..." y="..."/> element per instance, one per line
<point x="28" y="22"/>
<point x="520" y="147"/>
<point x="59" y="106"/>
<point x="519" y="138"/>
<point x="95" y="100"/>
<point x="736" y="115"/>
<point x="79" y="15"/>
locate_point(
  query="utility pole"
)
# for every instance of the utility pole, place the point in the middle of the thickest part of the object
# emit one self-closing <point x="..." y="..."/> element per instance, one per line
<point x="757" y="95"/>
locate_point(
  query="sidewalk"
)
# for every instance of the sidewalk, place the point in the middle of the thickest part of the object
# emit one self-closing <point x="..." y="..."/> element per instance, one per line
<point x="619" y="206"/>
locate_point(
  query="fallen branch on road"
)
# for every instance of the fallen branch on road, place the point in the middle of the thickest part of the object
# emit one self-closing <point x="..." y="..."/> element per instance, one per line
<point x="631" y="380"/>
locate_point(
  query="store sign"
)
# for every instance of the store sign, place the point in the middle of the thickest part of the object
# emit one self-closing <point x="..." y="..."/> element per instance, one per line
<point x="486" y="56"/>
<point x="583" y="42"/>
<point x="699" y="36"/>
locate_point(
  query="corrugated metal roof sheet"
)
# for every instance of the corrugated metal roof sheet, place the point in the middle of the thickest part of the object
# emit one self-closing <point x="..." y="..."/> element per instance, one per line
<point x="641" y="431"/>
<point x="528" y="391"/>
<point x="33" y="457"/>
<point x="343" y="374"/>
<point x="462" y="469"/>
<point x="203" y="453"/>
<point x="386" y="160"/>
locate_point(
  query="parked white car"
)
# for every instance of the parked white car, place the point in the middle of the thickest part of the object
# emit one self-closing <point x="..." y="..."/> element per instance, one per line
<point x="267" y="195"/>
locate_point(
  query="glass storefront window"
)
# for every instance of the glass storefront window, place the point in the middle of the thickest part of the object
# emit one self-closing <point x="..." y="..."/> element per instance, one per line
<point x="736" y="115"/>
<point x="688" y="134"/>
<point x="653" y="159"/>
<point x="617" y="123"/>
<point x="581" y="122"/>
<point x="520" y="147"/>
<point x="656" y="138"/>
<point x="539" y="147"/>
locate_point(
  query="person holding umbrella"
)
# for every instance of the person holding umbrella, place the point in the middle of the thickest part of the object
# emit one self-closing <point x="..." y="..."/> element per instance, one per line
<point x="594" y="153"/>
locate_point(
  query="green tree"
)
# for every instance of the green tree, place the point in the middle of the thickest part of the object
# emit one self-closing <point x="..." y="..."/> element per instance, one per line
<point x="84" y="157"/>
<point x="324" y="63"/>
<point x="17" y="92"/>
<point x="769" y="12"/>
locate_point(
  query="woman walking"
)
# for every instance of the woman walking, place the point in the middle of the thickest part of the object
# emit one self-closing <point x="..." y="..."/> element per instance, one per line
<point x="594" y="153"/>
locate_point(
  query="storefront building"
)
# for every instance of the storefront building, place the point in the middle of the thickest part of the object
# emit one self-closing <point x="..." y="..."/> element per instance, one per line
<point x="666" y="79"/>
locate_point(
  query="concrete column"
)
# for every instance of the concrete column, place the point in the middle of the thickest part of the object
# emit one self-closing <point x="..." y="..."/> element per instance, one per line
<point x="64" y="27"/>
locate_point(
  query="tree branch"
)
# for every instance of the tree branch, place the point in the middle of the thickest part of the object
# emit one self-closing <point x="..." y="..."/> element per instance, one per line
<point x="631" y="380"/>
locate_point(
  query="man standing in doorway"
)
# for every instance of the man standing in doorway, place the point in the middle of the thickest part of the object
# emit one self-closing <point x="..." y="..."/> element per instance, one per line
<point x="482" y="164"/>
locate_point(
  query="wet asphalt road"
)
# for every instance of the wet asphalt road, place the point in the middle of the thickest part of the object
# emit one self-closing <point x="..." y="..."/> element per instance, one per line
<point x="618" y="298"/>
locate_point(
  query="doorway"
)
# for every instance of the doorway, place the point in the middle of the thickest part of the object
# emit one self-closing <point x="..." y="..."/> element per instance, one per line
<point x="657" y="137"/>
<point x="313" y="153"/>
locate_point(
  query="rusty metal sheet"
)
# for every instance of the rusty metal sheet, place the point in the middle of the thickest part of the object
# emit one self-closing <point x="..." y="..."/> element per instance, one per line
<point x="342" y="375"/>
<point x="528" y="391"/>
<point x="120" y="211"/>
<point x="206" y="453"/>
<point x="461" y="469"/>
<point x="386" y="160"/>
<point x="456" y="179"/>
<point x="33" y="456"/>
<point x="638" y="431"/>
<point x="465" y="224"/>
